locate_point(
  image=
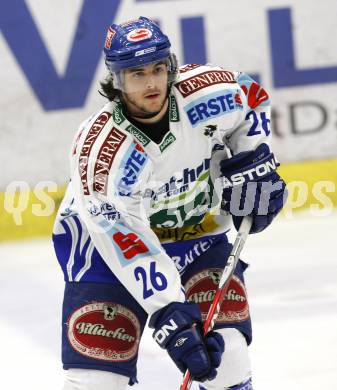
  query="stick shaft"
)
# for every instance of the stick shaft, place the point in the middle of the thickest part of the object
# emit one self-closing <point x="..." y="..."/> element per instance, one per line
<point x="223" y="286"/>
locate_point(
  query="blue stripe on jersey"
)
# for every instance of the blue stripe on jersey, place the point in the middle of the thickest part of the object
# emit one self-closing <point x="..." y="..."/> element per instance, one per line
<point x="78" y="258"/>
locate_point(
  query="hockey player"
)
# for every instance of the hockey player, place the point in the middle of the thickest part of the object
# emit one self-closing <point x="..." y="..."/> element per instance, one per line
<point x="139" y="234"/>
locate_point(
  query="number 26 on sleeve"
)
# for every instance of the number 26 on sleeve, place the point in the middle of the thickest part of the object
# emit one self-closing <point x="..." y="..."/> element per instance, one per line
<point x="255" y="129"/>
<point x="155" y="280"/>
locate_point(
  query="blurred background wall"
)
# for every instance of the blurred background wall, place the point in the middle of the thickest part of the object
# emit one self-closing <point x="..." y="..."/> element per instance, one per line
<point x="51" y="63"/>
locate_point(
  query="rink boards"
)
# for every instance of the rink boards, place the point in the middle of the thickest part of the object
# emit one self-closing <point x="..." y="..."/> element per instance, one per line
<point x="31" y="213"/>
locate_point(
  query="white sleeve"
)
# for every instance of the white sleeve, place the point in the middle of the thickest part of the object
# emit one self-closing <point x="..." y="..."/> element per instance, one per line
<point x="108" y="177"/>
<point x="252" y="126"/>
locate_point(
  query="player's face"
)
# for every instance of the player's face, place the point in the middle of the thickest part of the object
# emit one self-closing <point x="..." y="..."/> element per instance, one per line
<point x="145" y="88"/>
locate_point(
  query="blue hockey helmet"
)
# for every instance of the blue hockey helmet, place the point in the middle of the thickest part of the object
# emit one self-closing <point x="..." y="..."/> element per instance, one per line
<point x="136" y="43"/>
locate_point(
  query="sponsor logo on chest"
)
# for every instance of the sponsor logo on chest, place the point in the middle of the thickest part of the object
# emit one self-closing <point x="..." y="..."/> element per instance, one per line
<point x="131" y="167"/>
<point x="105" y="158"/>
<point x="180" y="182"/>
<point x="211" y="106"/>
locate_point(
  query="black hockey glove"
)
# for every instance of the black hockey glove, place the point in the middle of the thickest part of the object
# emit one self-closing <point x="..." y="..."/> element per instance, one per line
<point x="178" y="329"/>
<point x="253" y="187"/>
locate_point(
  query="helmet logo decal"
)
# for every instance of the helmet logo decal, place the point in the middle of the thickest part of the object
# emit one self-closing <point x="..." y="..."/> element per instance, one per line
<point x="145" y="51"/>
<point x="139" y="34"/>
<point x="109" y="37"/>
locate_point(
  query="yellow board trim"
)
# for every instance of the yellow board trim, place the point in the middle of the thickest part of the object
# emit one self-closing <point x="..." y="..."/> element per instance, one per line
<point x="314" y="183"/>
<point x="37" y="218"/>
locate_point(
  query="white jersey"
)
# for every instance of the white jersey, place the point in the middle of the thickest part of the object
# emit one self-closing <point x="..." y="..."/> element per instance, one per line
<point x="130" y="195"/>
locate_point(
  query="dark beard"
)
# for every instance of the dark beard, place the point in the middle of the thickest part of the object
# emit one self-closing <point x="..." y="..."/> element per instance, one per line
<point x="143" y="114"/>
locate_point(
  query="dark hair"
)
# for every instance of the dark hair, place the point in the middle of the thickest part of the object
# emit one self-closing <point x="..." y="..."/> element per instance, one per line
<point x="107" y="88"/>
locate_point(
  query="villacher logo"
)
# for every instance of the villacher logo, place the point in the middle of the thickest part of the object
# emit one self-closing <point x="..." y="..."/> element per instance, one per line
<point x="104" y="331"/>
<point x="201" y="289"/>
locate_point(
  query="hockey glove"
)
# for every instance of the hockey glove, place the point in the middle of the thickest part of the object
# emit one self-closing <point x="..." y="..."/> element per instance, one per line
<point x="252" y="187"/>
<point x="178" y="329"/>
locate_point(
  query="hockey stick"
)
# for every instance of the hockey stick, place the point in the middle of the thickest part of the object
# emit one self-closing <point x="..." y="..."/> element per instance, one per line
<point x="223" y="287"/>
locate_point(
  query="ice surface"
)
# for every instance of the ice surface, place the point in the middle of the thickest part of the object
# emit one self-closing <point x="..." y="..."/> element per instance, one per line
<point x="292" y="284"/>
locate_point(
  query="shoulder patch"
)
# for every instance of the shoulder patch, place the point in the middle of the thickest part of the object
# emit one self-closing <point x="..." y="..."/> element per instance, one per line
<point x="203" y="80"/>
<point x="256" y="95"/>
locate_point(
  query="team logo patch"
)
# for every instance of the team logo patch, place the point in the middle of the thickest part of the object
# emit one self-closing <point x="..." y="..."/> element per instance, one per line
<point x="201" y="289"/>
<point x="104" y="331"/>
<point x="139" y="35"/>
